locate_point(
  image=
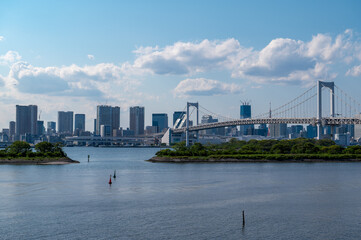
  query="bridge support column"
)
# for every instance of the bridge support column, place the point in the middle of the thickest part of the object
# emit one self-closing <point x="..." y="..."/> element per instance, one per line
<point x="187" y="126"/>
<point x="189" y="104"/>
<point x="331" y="86"/>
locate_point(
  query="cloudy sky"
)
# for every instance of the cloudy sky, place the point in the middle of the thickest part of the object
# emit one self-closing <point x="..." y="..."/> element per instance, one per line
<point x="75" y="55"/>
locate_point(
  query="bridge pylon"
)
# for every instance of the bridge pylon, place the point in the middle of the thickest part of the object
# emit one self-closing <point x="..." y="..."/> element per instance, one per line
<point x="331" y="86"/>
<point x="196" y="105"/>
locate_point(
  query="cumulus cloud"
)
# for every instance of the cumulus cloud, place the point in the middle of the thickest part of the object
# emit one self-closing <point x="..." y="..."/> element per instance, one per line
<point x="205" y="87"/>
<point x="189" y="58"/>
<point x="283" y="60"/>
<point x="91" y="57"/>
<point x="66" y="80"/>
<point x="279" y="58"/>
<point x="355" y="71"/>
<point x="2" y="38"/>
<point x="9" y="58"/>
<point x="293" y="61"/>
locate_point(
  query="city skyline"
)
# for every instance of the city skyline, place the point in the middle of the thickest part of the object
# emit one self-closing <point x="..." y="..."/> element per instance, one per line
<point x="161" y="55"/>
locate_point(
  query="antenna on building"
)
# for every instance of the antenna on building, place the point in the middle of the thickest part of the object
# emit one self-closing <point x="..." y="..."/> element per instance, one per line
<point x="245" y="102"/>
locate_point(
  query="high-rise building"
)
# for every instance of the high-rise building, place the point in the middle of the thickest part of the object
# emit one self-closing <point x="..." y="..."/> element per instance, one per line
<point x="150" y="130"/>
<point x="208" y="119"/>
<point x="178" y="115"/>
<point x="51" y="127"/>
<point x="115" y="118"/>
<point x="245" y="112"/>
<point x="12" y="130"/>
<point x="105" y="131"/>
<point x="107" y="116"/>
<point x="95" y="126"/>
<point x="65" y="122"/>
<point x="40" y="128"/>
<point x="357" y="129"/>
<point x="79" y="122"/>
<point x="278" y="130"/>
<point x="214" y="131"/>
<point x="262" y="130"/>
<point x="311" y="131"/>
<point x="136" y="120"/>
<point x="160" y="120"/>
<point x="26" y="120"/>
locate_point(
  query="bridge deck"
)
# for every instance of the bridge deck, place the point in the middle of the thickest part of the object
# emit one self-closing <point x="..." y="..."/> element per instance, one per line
<point x="248" y="121"/>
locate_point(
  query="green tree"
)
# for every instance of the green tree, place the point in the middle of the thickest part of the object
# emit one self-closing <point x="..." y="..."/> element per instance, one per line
<point x="304" y="147"/>
<point x="44" y="147"/>
<point x="281" y="147"/>
<point x="334" y="149"/>
<point x="18" y="147"/>
<point x="325" y="142"/>
<point x="353" y="150"/>
<point x="181" y="146"/>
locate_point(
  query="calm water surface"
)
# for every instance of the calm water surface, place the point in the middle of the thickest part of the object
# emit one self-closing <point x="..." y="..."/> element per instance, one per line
<point x="178" y="201"/>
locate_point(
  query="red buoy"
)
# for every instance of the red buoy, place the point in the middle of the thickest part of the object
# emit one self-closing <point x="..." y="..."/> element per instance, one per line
<point x="110" y="179"/>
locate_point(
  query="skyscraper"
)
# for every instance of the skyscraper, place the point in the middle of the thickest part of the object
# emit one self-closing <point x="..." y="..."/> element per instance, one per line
<point x="177" y="115"/>
<point x="40" y="128"/>
<point x="160" y="120"/>
<point x="115" y="118"/>
<point x="79" y="122"/>
<point x="65" y="122"/>
<point x="214" y="131"/>
<point x="12" y="130"/>
<point x="51" y="127"/>
<point x="107" y="116"/>
<point x="278" y="130"/>
<point x="26" y="120"/>
<point x="245" y="112"/>
<point x="136" y="120"/>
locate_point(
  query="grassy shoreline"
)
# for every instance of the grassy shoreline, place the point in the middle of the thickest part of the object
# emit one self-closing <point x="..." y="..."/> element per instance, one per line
<point x="37" y="161"/>
<point x="293" y="150"/>
<point x="259" y="158"/>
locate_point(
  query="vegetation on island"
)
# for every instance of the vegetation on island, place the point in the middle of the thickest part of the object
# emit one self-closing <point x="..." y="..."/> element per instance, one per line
<point x="295" y="149"/>
<point x="22" y="150"/>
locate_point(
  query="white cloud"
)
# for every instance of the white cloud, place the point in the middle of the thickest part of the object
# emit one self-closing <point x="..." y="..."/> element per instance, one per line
<point x="291" y="61"/>
<point x="205" y="87"/>
<point x="92" y="81"/>
<point x="278" y="59"/>
<point x="91" y="57"/>
<point x="190" y="58"/>
<point x="2" y="38"/>
<point x="355" y="71"/>
<point x="283" y="60"/>
<point x="9" y="58"/>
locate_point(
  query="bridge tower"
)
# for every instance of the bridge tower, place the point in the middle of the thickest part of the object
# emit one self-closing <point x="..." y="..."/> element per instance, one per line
<point x="331" y="86"/>
<point x="189" y="104"/>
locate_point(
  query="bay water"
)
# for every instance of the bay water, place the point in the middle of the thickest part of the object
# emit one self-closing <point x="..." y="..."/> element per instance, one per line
<point x="178" y="201"/>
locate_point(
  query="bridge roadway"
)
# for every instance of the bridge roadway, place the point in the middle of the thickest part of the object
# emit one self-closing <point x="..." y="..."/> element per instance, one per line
<point x="248" y="121"/>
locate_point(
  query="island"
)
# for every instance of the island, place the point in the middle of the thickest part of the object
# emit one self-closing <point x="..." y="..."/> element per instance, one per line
<point x="45" y="153"/>
<point x="294" y="150"/>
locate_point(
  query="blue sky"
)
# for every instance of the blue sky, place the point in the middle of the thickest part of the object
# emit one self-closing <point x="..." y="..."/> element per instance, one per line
<point x="74" y="55"/>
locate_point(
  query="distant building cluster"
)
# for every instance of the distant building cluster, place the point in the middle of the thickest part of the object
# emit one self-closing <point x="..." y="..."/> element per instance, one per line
<point x="71" y="127"/>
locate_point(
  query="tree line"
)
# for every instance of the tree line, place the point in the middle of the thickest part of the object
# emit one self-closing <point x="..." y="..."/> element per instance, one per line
<point x="23" y="149"/>
<point x="262" y="147"/>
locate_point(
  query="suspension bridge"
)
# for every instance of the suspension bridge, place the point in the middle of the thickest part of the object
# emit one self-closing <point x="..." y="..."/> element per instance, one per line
<point x="311" y="107"/>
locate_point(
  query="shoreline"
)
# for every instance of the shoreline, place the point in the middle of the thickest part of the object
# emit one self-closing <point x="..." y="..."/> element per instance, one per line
<point x="37" y="161"/>
<point x="236" y="160"/>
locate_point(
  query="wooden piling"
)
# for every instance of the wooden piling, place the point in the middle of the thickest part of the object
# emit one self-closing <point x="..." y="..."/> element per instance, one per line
<point x="244" y="222"/>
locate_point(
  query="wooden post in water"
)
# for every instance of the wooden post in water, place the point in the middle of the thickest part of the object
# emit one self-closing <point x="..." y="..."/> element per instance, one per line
<point x="88" y="157"/>
<point x="244" y="222"/>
